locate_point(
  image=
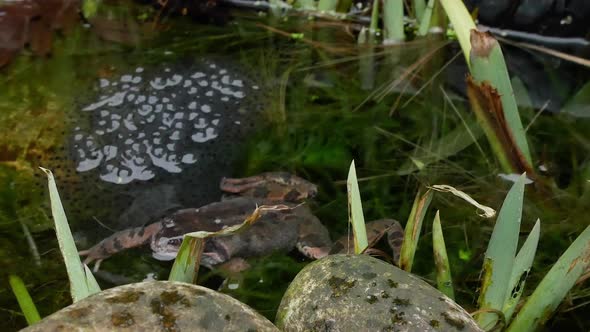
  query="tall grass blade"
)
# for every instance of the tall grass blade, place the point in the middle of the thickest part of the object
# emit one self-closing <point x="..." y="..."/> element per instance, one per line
<point x="305" y="4"/>
<point x="366" y="42"/>
<point x="499" y="257"/>
<point x="540" y="306"/>
<point x="327" y="5"/>
<point x="444" y="281"/>
<point x="25" y="302"/>
<point x="462" y="23"/>
<point x="419" y="9"/>
<point x="374" y="25"/>
<point x="186" y="264"/>
<point x="393" y="21"/>
<point x="522" y="266"/>
<point x="425" y="18"/>
<point x="355" y="211"/>
<point x="81" y="283"/>
<point x="413" y="227"/>
<point x="487" y="64"/>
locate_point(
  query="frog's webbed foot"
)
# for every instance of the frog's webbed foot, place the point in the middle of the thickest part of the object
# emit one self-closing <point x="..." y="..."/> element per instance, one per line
<point x="93" y="255"/>
<point x="234" y="266"/>
<point x="313" y="252"/>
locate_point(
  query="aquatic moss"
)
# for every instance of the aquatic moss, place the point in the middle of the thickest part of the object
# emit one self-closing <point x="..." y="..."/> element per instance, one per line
<point x="131" y="296"/>
<point x="165" y="315"/>
<point x="122" y="319"/>
<point x="340" y="286"/>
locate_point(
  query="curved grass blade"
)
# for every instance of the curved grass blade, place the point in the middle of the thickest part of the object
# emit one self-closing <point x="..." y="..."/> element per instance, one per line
<point x="499" y="258"/>
<point x="559" y="280"/>
<point x="522" y="266"/>
<point x="355" y="211"/>
<point x="412" y="231"/>
<point x="82" y="284"/>
<point x="25" y="302"/>
<point x="444" y="281"/>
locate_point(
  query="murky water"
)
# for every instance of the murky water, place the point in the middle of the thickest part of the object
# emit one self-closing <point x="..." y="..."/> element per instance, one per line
<point x="133" y="133"/>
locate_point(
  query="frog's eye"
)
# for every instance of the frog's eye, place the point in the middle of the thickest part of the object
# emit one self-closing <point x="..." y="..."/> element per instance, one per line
<point x="312" y="192"/>
<point x="168" y="222"/>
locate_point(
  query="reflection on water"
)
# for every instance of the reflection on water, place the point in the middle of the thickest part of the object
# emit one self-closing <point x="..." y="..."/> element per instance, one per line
<point x="144" y="122"/>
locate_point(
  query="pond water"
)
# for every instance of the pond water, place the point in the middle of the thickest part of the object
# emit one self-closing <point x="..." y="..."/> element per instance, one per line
<point x="133" y="132"/>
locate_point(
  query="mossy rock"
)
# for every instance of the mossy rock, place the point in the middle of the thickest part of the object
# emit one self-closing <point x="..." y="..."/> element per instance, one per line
<point x="361" y="293"/>
<point x="156" y="306"/>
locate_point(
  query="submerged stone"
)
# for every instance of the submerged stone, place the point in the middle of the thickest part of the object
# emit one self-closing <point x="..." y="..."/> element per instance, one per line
<point x="335" y="294"/>
<point x="156" y="306"/>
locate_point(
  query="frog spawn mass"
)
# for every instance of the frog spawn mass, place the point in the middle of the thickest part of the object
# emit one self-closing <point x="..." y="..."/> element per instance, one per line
<point x="143" y="124"/>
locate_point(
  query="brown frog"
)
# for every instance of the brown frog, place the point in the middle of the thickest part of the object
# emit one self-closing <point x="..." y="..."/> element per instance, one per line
<point x="281" y="230"/>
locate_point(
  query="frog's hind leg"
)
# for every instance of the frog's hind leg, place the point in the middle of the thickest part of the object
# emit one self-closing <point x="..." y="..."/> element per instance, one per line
<point x="313" y="239"/>
<point x="117" y="242"/>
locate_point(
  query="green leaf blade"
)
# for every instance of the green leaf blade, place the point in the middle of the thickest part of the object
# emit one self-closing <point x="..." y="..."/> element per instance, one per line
<point x="522" y="266"/>
<point x="355" y="211"/>
<point x="81" y="284"/>
<point x="444" y="280"/>
<point x="25" y="302"/>
<point x="555" y="285"/>
<point x="413" y="227"/>
<point x="499" y="257"/>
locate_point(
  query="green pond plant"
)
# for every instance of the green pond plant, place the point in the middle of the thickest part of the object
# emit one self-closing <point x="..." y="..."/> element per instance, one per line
<point x="504" y="270"/>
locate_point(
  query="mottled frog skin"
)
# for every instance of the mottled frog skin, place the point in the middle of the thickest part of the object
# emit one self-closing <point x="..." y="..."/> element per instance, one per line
<point x="281" y="230"/>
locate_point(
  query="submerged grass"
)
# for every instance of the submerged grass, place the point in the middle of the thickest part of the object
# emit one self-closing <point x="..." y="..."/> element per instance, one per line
<point x="25" y="302"/>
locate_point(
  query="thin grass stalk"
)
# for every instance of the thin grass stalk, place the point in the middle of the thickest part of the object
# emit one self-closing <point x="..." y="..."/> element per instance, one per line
<point x="499" y="257"/>
<point x="413" y="227"/>
<point x="344" y="6"/>
<point x="425" y="18"/>
<point x="522" y="265"/>
<point x="444" y="281"/>
<point x="306" y="4"/>
<point x="393" y="22"/>
<point x="327" y="5"/>
<point x="366" y="41"/>
<point x="25" y="302"/>
<point x="419" y="9"/>
<point x="82" y="284"/>
<point x="355" y="211"/>
<point x="541" y="305"/>
<point x="374" y="25"/>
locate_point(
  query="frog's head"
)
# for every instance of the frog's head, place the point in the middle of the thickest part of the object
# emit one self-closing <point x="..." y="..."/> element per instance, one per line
<point x="166" y="242"/>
